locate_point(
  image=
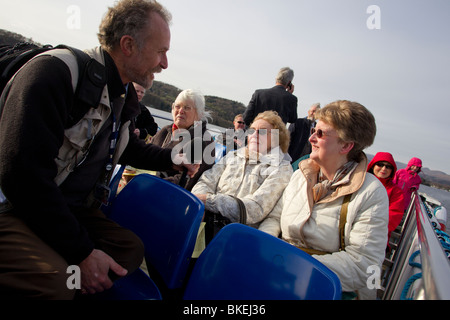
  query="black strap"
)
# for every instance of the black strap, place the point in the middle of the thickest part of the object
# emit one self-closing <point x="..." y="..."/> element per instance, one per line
<point x="242" y="210"/>
<point x="91" y="82"/>
<point x="215" y="221"/>
<point x="343" y="221"/>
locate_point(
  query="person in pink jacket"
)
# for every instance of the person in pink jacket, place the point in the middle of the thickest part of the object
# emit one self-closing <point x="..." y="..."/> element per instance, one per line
<point x="384" y="168"/>
<point x="408" y="179"/>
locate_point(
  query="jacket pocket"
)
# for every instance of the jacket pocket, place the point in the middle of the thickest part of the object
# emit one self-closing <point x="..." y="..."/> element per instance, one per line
<point x="77" y="141"/>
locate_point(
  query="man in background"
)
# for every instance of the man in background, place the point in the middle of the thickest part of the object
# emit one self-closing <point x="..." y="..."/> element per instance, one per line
<point x="146" y="127"/>
<point x="279" y="98"/>
<point x="300" y="132"/>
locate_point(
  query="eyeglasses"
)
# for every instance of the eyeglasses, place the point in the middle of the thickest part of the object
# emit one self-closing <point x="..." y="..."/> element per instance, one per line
<point x="382" y="164"/>
<point x="186" y="108"/>
<point x="240" y="122"/>
<point x="261" y="132"/>
<point x="319" y="132"/>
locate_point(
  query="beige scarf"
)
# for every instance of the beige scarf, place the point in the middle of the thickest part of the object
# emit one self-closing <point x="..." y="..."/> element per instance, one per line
<point x="325" y="187"/>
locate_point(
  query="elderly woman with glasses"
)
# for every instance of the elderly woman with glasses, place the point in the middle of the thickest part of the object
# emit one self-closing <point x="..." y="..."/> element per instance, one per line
<point x="189" y="124"/>
<point x="384" y="168"/>
<point x="331" y="208"/>
<point x="256" y="174"/>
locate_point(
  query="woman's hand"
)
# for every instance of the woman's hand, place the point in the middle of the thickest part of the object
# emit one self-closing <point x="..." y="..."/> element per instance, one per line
<point x="201" y="197"/>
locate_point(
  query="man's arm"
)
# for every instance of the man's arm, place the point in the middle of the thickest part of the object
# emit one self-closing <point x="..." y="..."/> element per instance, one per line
<point x="31" y="133"/>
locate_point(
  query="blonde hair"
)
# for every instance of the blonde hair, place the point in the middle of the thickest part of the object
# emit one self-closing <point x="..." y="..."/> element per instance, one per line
<point x="353" y="123"/>
<point x="128" y="17"/>
<point x="275" y="120"/>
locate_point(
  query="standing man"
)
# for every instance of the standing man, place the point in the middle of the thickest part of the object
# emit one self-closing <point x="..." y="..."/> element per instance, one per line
<point x="278" y="98"/>
<point x="300" y="131"/>
<point x="56" y="178"/>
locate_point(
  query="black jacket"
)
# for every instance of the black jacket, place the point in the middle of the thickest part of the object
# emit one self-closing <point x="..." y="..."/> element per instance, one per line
<point x="276" y="99"/>
<point x="300" y="131"/>
<point x="145" y="123"/>
<point x="31" y="133"/>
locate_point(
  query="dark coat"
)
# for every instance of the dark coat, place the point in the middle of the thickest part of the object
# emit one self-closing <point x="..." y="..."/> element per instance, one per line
<point x="300" y="131"/>
<point x="276" y="99"/>
<point x="31" y="134"/>
<point x="145" y="123"/>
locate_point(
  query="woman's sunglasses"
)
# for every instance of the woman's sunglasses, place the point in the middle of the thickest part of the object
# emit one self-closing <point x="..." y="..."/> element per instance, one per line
<point x="382" y="164"/>
<point x="261" y="132"/>
<point x="319" y="132"/>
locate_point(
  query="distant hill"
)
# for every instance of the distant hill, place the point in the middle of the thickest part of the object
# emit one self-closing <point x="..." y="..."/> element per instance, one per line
<point x="10" y="38"/>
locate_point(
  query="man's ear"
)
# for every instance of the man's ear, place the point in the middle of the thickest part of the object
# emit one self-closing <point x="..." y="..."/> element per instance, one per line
<point x="127" y="45"/>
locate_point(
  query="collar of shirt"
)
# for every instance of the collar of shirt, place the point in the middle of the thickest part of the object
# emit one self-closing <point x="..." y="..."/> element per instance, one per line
<point x="115" y="85"/>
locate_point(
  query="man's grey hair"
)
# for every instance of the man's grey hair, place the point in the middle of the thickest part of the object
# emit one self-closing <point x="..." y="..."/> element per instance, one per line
<point x="128" y="17"/>
<point x="285" y="75"/>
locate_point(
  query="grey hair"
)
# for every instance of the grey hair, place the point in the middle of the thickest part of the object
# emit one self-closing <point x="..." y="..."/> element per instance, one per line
<point x="199" y="103"/>
<point x="128" y="17"/>
<point x="285" y="75"/>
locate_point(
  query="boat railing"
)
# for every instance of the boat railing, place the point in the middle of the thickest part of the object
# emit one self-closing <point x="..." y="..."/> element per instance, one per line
<point x="418" y="267"/>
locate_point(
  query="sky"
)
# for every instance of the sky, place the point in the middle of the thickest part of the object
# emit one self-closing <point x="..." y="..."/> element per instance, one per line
<point x="392" y="56"/>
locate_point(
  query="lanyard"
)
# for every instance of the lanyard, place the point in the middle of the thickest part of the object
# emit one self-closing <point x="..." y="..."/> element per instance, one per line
<point x="112" y="146"/>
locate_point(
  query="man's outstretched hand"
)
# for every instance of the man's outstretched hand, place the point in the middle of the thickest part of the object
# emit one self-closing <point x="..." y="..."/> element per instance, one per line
<point x="94" y="272"/>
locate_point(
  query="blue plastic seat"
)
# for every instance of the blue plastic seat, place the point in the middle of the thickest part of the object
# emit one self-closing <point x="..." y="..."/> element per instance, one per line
<point x="136" y="286"/>
<point x="243" y="263"/>
<point x="166" y="217"/>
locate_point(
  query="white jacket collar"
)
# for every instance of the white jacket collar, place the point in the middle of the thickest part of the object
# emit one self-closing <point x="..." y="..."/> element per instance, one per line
<point x="274" y="157"/>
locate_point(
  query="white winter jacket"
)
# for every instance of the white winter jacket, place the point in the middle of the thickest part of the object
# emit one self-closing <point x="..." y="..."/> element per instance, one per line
<point x="258" y="184"/>
<point x="316" y="225"/>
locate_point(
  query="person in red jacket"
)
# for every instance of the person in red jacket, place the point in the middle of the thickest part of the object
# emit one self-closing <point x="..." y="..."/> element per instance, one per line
<point x="408" y="179"/>
<point x="384" y="168"/>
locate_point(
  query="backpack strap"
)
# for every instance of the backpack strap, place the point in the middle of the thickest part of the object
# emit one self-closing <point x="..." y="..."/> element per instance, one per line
<point x="343" y="221"/>
<point x="88" y="77"/>
<point x="89" y="86"/>
<point x="242" y="210"/>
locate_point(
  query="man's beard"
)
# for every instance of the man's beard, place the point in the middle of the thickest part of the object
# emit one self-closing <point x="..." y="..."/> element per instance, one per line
<point x="145" y="80"/>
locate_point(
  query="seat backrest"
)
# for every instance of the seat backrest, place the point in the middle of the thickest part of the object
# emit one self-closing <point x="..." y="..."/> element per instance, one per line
<point x="166" y="217"/>
<point x="242" y="263"/>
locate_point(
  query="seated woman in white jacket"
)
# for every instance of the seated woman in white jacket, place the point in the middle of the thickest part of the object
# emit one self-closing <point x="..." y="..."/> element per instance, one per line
<point x="256" y="174"/>
<point x="312" y="202"/>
